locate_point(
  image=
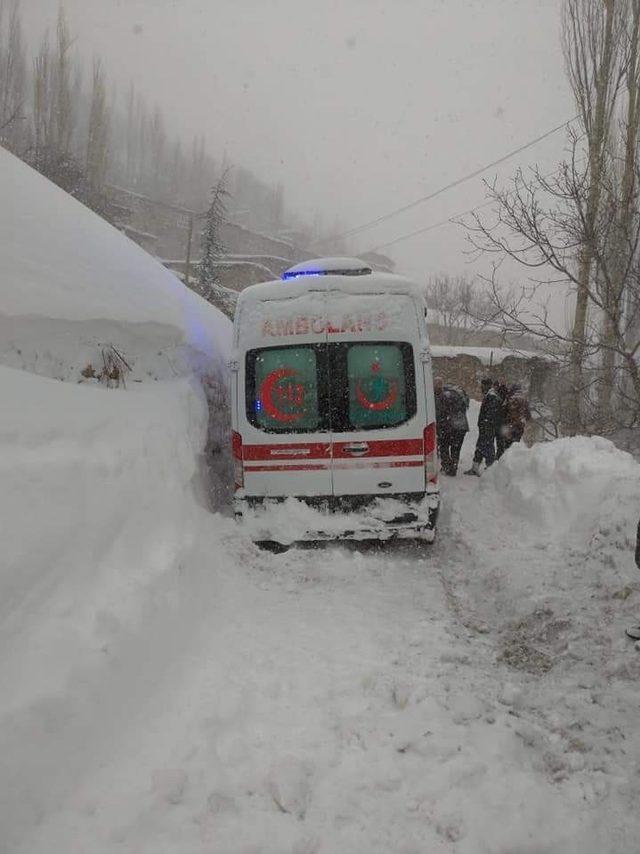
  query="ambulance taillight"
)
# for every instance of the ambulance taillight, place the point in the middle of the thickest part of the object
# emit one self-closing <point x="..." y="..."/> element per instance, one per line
<point x="238" y="468"/>
<point x="431" y="453"/>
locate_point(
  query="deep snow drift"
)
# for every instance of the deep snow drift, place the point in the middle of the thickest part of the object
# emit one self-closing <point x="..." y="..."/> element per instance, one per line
<point x="97" y="484"/>
<point x="71" y="285"/>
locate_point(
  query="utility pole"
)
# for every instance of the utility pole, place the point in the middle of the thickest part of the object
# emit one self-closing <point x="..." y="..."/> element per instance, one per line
<point x="187" y="269"/>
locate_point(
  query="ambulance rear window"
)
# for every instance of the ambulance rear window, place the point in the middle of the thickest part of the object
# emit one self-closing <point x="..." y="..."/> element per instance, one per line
<point x="381" y="385"/>
<point x="282" y="389"/>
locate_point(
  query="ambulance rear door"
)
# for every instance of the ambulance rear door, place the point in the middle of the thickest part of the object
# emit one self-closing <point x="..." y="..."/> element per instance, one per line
<point x="377" y="391"/>
<point x="283" y="408"/>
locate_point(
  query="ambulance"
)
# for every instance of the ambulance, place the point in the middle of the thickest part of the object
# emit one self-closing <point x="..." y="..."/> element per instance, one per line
<point x="333" y="414"/>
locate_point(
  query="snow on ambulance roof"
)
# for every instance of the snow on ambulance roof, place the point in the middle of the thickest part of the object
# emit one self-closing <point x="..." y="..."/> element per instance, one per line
<point x="60" y="260"/>
<point x="296" y="286"/>
<point x="297" y="306"/>
<point x="328" y="266"/>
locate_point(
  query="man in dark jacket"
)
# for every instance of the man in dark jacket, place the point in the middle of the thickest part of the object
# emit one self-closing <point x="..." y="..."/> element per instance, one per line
<point x="634" y="631"/>
<point x="452" y="424"/>
<point x="502" y="433"/>
<point x="489" y="422"/>
<point x="517" y="413"/>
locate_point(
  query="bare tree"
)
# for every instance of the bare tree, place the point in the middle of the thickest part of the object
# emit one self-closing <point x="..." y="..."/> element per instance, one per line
<point x="459" y="307"/>
<point x="12" y="74"/>
<point x="177" y="172"/>
<point x="98" y="134"/>
<point x="130" y="137"/>
<point x="623" y="205"/>
<point x="592" y="32"/>
<point x="578" y="227"/>
<point x="42" y="103"/>
<point x="542" y="225"/>
<point x="64" y="111"/>
<point x="157" y="142"/>
<point x="55" y="77"/>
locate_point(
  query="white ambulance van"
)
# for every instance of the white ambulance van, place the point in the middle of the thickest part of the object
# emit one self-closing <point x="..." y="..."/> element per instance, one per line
<point x="333" y="407"/>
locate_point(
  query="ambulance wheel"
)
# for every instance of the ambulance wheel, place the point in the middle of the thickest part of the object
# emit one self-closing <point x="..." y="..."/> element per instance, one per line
<point x="272" y="546"/>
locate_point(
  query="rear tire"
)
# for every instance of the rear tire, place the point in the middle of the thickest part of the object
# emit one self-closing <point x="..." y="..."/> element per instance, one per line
<point x="272" y="546"/>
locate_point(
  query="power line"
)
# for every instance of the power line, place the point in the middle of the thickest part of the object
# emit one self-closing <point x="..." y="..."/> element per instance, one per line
<point x="366" y="225"/>
<point x="429" y="227"/>
<point x="442" y="222"/>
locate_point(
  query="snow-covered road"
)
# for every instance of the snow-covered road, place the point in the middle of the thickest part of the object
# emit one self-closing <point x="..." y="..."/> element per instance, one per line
<point x="347" y="699"/>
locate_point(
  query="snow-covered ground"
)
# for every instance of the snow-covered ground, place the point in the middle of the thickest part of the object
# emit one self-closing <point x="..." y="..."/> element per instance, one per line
<point x="170" y="688"/>
<point x="166" y="687"/>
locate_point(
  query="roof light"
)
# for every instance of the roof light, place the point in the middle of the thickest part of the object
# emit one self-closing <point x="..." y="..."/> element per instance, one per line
<point x="328" y="267"/>
<point x="290" y="274"/>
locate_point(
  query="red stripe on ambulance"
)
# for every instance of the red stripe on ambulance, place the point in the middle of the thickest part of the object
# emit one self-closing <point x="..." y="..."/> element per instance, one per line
<point x="323" y="450"/>
<point x="292" y="451"/>
<point x="346" y="464"/>
<point x="381" y="448"/>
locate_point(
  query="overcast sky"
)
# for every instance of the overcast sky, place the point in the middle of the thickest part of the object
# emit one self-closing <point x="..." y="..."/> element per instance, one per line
<point x="358" y="106"/>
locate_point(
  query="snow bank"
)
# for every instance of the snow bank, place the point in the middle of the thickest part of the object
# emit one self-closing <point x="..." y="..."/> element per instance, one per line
<point x="568" y="488"/>
<point x="540" y="569"/>
<point x="99" y="488"/>
<point x="93" y="287"/>
<point x="97" y="507"/>
<point x="572" y="503"/>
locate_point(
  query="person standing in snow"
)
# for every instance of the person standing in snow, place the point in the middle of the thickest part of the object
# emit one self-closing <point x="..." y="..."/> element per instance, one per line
<point x="451" y="422"/>
<point x="517" y="413"/>
<point x="489" y="422"/>
<point x="503" y="433"/>
<point x="634" y="631"/>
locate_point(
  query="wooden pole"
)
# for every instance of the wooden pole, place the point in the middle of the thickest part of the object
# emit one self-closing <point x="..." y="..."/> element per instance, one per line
<point x="187" y="269"/>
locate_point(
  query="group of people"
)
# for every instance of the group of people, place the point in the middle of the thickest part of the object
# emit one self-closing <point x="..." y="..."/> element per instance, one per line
<point x="504" y="413"/>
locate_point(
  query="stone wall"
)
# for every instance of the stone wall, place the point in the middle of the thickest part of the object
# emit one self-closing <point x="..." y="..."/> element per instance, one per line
<point x="466" y="371"/>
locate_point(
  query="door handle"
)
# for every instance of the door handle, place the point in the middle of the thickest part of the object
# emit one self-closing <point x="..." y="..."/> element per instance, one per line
<point x="357" y="449"/>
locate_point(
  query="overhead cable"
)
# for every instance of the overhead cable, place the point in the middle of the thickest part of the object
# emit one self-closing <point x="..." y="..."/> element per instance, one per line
<point x="451" y="185"/>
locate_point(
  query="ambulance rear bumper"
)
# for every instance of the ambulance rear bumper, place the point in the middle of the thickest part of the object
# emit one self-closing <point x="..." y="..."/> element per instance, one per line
<point x="351" y="517"/>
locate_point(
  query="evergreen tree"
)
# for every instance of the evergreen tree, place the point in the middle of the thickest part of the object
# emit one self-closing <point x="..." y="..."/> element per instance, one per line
<point x="212" y="245"/>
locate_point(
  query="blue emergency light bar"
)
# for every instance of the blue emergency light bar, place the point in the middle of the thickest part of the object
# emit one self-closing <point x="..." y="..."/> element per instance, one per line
<point x="296" y="275"/>
<point x="328" y="267"/>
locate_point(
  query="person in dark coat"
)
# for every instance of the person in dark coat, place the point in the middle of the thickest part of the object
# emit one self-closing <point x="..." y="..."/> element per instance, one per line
<point x="451" y="422"/>
<point x="489" y="422"/>
<point x="634" y="631"/>
<point x="503" y="432"/>
<point x="517" y="413"/>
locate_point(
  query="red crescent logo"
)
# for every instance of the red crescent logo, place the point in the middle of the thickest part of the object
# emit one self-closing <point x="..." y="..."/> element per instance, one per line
<point x="386" y="402"/>
<point x="266" y="396"/>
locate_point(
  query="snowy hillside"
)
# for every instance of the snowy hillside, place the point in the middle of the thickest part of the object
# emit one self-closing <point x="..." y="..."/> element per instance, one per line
<point x="71" y="285"/>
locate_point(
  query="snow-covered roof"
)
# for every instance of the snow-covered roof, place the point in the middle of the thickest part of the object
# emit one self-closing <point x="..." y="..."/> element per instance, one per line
<point x="375" y="283"/>
<point x="487" y="355"/>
